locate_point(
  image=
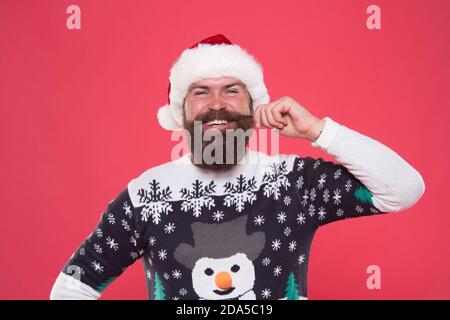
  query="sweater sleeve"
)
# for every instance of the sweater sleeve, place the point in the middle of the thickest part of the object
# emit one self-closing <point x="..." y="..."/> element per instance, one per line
<point x="368" y="177"/>
<point x="114" y="244"/>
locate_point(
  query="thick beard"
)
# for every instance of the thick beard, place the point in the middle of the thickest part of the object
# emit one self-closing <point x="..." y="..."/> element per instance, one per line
<point x="243" y="122"/>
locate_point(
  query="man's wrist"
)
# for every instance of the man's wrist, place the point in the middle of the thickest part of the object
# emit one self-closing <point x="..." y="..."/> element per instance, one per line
<point x="328" y="134"/>
<point x="317" y="130"/>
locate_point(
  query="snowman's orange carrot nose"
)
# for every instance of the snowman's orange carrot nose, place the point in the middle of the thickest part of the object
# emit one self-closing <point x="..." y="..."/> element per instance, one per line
<point x="223" y="280"/>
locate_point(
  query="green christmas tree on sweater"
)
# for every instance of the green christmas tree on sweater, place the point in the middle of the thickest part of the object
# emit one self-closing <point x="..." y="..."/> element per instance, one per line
<point x="291" y="290"/>
<point x="363" y="195"/>
<point x="103" y="286"/>
<point x="159" y="288"/>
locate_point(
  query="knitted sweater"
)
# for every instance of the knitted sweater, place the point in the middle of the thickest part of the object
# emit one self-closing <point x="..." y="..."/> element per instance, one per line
<point x="241" y="234"/>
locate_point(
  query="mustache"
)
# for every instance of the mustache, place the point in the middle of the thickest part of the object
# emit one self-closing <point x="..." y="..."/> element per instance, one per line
<point x="222" y="115"/>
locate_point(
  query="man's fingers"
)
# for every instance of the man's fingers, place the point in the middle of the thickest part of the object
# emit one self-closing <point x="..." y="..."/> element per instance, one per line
<point x="269" y="115"/>
<point x="271" y="119"/>
<point x="277" y="113"/>
<point x="264" y="120"/>
<point x="257" y="116"/>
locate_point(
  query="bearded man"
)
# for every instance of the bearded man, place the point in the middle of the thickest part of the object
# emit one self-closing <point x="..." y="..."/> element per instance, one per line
<point x="226" y="222"/>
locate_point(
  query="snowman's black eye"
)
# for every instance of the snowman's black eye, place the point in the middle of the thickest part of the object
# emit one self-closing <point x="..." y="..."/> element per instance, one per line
<point x="235" y="268"/>
<point x="209" y="271"/>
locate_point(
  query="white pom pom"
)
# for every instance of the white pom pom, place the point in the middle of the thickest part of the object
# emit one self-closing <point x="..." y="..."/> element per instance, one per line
<point x="166" y="120"/>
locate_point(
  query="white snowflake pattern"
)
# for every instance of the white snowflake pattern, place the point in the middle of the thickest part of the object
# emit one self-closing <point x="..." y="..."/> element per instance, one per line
<point x="316" y="164"/>
<point x="321" y="213"/>
<point x="82" y="252"/>
<point x="112" y="243"/>
<point x="134" y="255"/>
<point x="169" y="228"/>
<point x="162" y="254"/>
<point x="340" y="212"/>
<point x="176" y="298"/>
<point x="151" y="241"/>
<point x="97" y="248"/>
<point x="305" y="197"/>
<point x="337" y="196"/>
<point x="348" y="185"/>
<point x="97" y="266"/>
<point x="218" y="215"/>
<point x="266" y="293"/>
<point x="300" y="165"/>
<point x="277" y="271"/>
<point x="276" y="244"/>
<point x="287" y="200"/>
<point x="99" y="232"/>
<point x="111" y="218"/>
<point x="311" y="210"/>
<point x="312" y="194"/>
<point x="182" y="292"/>
<point x="166" y="276"/>
<point x="176" y="274"/>
<point x="301" y="259"/>
<point x="266" y="261"/>
<point x="292" y="245"/>
<point x="326" y="196"/>
<point x="127" y="208"/>
<point x="301" y="218"/>
<point x="155" y="201"/>
<point x="337" y="174"/>
<point x="198" y="197"/>
<point x="299" y="183"/>
<point x="259" y="220"/>
<point x="133" y="241"/>
<point x="287" y="231"/>
<point x="240" y="193"/>
<point x="149" y="275"/>
<point x="359" y="209"/>
<point x="322" y="180"/>
<point x="281" y="217"/>
<point x="275" y="179"/>
<point x="125" y="225"/>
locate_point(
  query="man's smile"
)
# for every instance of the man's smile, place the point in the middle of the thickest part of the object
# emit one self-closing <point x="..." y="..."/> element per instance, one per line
<point x="219" y="124"/>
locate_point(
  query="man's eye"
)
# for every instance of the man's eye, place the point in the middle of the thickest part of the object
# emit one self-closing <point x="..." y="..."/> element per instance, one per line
<point x="199" y="93"/>
<point x="233" y="91"/>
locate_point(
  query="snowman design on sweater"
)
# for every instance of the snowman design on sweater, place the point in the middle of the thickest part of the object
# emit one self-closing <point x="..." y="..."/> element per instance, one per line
<point x="241" y="234"/>
<point x="222" y="259"/>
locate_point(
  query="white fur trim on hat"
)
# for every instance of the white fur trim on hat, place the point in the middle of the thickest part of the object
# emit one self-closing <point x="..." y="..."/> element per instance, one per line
<point x="210" y="61"/>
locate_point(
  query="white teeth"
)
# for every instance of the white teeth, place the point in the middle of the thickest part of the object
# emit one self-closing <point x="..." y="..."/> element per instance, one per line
<point x="216" y="122"/>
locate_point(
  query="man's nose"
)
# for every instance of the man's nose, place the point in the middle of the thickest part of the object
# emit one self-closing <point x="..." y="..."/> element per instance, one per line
<point x="217" y="102"/>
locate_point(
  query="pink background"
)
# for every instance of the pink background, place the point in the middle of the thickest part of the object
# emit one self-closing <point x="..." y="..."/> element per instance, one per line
<point x="78" y="121"/>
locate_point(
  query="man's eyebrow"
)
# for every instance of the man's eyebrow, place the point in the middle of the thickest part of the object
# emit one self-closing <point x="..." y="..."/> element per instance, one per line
<point x="234" y="84"/>
<point x="199" y="86"/>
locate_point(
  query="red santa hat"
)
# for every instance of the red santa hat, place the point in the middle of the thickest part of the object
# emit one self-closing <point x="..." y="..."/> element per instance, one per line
<point x="212" y="57"/>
